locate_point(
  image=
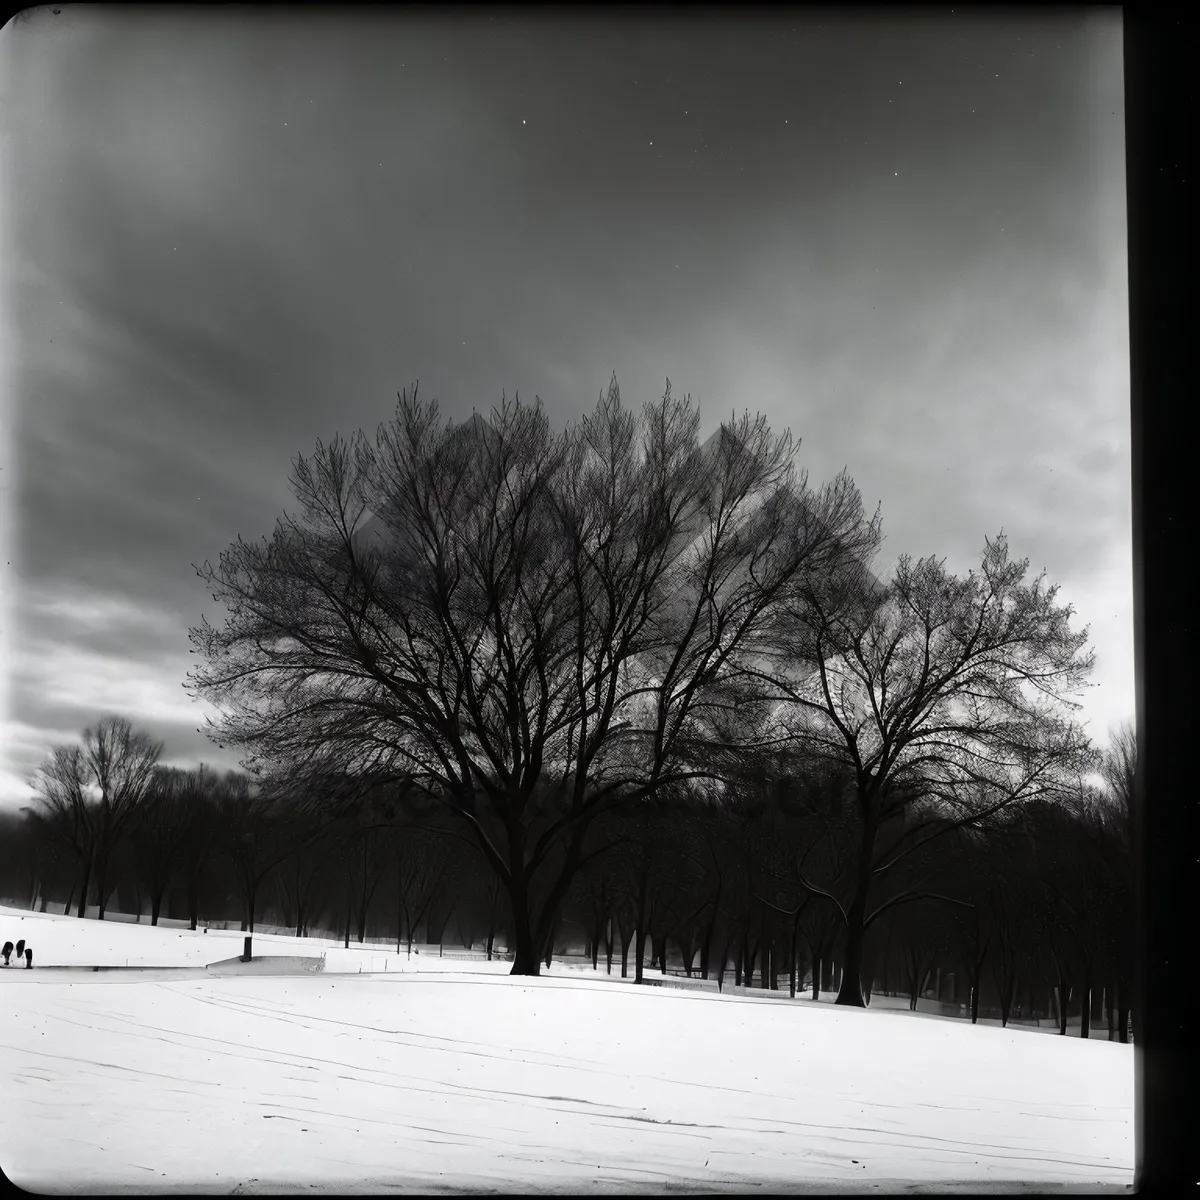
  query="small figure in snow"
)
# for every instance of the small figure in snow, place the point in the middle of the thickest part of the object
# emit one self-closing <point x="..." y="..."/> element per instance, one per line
<point x="7" y="952"/>
<point x="20" y="950"/>
<point x="28" y="957"/>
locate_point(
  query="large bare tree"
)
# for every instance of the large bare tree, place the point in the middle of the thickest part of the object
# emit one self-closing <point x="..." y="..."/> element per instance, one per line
<point x="947" y="699"/>
<point x="527" y="624"/>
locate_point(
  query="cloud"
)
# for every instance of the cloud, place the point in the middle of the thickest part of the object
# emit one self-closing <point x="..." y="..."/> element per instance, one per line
<point x="84" y="655"/>
<point x="237" y="233"/>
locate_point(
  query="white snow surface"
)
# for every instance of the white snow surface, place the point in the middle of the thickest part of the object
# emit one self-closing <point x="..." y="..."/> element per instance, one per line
<point x="439" y="1074"/>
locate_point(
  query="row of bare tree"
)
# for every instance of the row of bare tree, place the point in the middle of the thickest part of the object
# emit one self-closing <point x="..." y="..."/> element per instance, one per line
<point x="1030" y="909"/>
<point x="1030" y="913"/>
<point x="210" y="841"/>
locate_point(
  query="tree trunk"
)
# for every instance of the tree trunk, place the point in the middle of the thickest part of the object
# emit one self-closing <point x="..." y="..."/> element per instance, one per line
<point x="687" y="950"/>
<point x="101" y="872"/>
<point x="792" y="959"/>
<point x="1007" y="987"/>
<point x="1110" y="1011"/>
<point x="1085" y="1005"/>
<point x="552" y="936"/>
<point x="608" y="943"/>
<point x="525" y="953"/>
<point x="525" y="949"/>
<point x="828" y="972"/>
<point x="83" y="891"/>
<point x="817" y="966"/>
<point x="156" y="899"/>
<point x="749" y="958"/>
<point x="706" y="948"/>
<point x="850" y="991"/>
<point x="658" y="951"/>
<point x="1122" y="1012"/>
<point x="913" y="970"/>
<point x="70" y="897"/>
<point x="193" y="898"/>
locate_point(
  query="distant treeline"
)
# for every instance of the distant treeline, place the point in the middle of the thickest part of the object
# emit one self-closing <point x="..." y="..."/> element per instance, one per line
<point x="745" y="890"/>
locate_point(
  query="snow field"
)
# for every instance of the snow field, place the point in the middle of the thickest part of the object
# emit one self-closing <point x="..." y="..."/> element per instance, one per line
<point x="451" y="1074"/>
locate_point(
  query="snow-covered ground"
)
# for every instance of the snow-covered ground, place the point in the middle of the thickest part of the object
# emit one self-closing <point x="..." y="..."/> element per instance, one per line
<point x="449" y="1074"/>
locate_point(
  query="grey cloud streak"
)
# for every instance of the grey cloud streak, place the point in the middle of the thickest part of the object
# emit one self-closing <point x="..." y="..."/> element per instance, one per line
<point x="230" y="233"/>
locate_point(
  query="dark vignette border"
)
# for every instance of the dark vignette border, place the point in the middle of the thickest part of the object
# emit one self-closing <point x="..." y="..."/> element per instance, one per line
<point x="1159" y="99"/>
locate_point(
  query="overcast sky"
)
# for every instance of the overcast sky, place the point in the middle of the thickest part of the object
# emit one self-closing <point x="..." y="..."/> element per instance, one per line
<point x="227" y="234"/>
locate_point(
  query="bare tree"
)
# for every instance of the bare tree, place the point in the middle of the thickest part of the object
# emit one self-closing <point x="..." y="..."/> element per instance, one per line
<point x="943" y="697"/>
<point x="921" y="941"/>
<point x="1114" y="827"/>
<point x="121" y="763"/>
<point x="251" y="836"/>
<point x="306" y="867"/>
<point x="63" y="812"/>
<point x="32" y="859"/>
<point x="1010" y="917"/>
<point x="972" y="927"/>
<point x="361" y="852"/>
<point x="87" y="795"/>
<point x="160" y="831"/>
<point x="1118" y="766"/>
<point x="201" y="840"/>
<point x="421" y="859"/>
<point x="530" y="625"/>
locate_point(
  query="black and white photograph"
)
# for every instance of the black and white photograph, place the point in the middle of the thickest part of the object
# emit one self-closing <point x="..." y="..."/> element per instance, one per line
<point x="567" y="601"/>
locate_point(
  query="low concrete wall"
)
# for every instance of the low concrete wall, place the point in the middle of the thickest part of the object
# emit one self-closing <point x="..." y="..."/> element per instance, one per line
<point x="694" y="984"/>
<point x="273" y="964"/>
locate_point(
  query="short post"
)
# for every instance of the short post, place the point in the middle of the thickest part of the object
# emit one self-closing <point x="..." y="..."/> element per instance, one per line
<point x="246" y="950"/>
